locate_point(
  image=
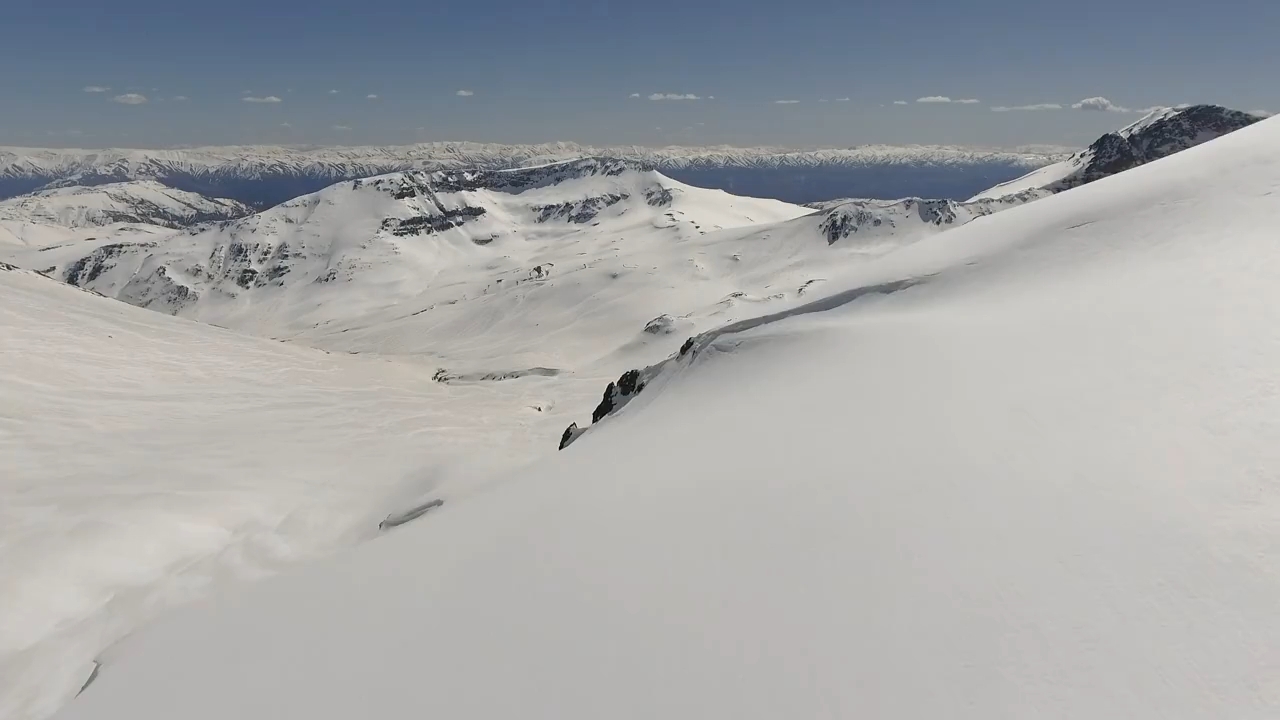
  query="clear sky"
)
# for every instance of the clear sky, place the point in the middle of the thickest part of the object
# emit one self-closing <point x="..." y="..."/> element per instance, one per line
<point x="148" y="73"/>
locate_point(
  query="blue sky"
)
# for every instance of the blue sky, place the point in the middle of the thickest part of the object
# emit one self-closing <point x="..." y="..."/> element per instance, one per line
<point x="567" y="70"/>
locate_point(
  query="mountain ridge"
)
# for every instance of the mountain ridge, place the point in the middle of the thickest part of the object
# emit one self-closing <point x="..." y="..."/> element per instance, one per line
<point x="1158" y="134"/>
<point x="267" y="175"/>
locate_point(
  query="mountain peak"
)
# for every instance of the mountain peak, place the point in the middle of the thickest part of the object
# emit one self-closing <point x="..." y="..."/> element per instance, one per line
<point x="1159" y="134"/>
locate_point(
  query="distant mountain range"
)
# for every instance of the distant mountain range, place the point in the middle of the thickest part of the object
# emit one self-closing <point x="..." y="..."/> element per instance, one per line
<point x="264" y="176"/>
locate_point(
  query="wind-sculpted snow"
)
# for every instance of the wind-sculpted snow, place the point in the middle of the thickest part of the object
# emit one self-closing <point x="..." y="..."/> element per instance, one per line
<point x="265" y="176"/>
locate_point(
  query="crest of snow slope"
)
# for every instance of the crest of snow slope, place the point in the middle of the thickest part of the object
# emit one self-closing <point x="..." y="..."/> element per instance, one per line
<point x="147" y="459"/>
<point x="488" y="265"/>
<point x="1158" y="134"/>
<point x="51" y="217"/>
<point x="1038" y="482"/>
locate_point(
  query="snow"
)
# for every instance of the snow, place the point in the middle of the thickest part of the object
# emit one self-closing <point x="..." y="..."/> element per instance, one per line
<point x="1159" y="133"/>
<point x="334" y="270"/>
<point x="135" y="211"/>
<point x="141" y="201"/>
<point x="372" y="160"/>
<point x="616" y="251"/>
<point x="267" y="175"/>
<point x="1032" y="476"/>
<point x="148" y="458"/>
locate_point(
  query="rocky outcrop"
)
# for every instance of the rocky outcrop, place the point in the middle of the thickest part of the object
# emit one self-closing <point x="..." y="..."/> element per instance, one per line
<point x="431" y="224"/>
<point x="580" y="211"/>
<point x="616" y="395"/>
<point x="1158" y="136"/>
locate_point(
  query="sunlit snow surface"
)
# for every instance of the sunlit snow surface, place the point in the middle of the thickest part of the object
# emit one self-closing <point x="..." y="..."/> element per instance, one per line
<point x="1041" y="481"/>
<point x="148" y="457"/>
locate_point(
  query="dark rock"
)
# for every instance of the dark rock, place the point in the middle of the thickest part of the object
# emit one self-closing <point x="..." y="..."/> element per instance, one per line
<point x="568" y="436"/>
<point x="581" y="211"/>
<point x="431" y="224"/>
<point x="606" y="404"/>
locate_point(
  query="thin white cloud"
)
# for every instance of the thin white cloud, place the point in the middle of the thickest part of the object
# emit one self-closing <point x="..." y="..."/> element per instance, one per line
<point x="1261" y="113"/>
<point x="1154" y="108"/>
<point x="285" y="125"/>
<point x="333" y="92"/>
<point x="370" y="96"/>
<point x="181" y="98"/>
<point x="900" y="102"/>
<point x="1098" y="104"/>
<point x="267" y="99"/>
<point x="130" y="99"/>
<point x="1026" y="108"/>
<point x="943" y="99"/>
<point x="823" y="100"/>
<point x="341" y="127"/>
<point x="634" y="95"/>
<point x="842" y="99"/>
<point x="785" y="102"/>
<point x="96" y="89"/>
<point x="711" y="97"/>
<point x="464" y="93"/>
<point x="674" y="96"/>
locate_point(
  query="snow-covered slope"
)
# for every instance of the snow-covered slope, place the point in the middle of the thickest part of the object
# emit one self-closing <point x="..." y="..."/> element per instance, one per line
<point x="600" y="256"/>
<point x="456" y="264"/>
<point x="264" y="175"/>
<point x="140" y="201"/>
<point x="1024" y="468"/>
<point x="54" y="216"/>
<point x="146" y="459"/>
<point x="1159" y="134"/>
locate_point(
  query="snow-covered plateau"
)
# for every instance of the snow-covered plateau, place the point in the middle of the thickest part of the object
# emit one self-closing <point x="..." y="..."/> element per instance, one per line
<point x="1006" y="457"/>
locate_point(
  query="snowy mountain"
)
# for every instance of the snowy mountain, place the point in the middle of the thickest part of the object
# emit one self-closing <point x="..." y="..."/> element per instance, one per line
<point x="264" y="176"/>
<point x="615" y="259"/>
<point x="1022" y="468"/>
<point x="410" y="262"/>
<point x="141" y="201"/>
<point x="39" y="218"/>
<point x="1159" y="134"/>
